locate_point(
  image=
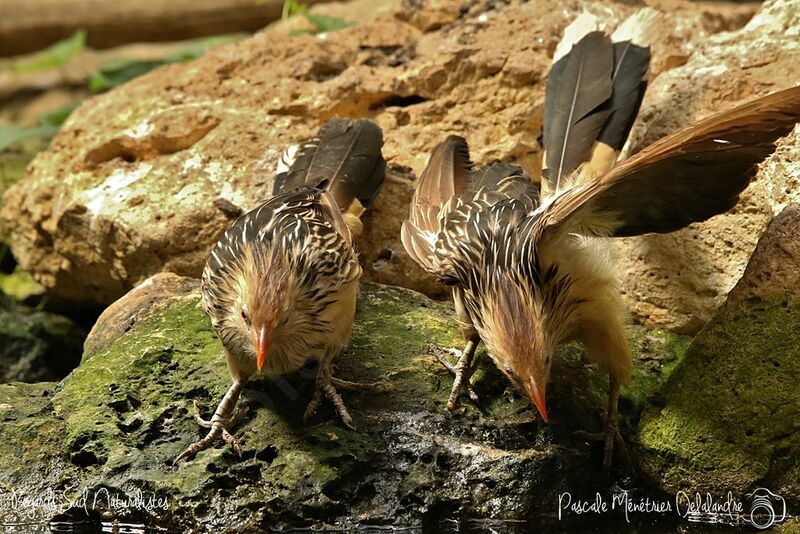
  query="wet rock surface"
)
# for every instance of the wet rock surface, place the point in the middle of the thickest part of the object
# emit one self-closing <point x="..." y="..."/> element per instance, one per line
<point x="728" y="419"/>
<point x="115" y="424"/>
<point x="144" y="179"/>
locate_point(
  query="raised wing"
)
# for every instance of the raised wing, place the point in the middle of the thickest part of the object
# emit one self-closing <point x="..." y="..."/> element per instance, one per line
<point x="444" y="179"/>
<point x="686" y="177"/>
<point x="456" y="213"/>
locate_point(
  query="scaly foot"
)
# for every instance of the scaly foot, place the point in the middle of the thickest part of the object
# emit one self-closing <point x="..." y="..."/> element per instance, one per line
<point x="219" y="425"/>
<point x="611" y="434"/>
<point x="462" y="371"/>
<point x="326" y="385"/>
<point x="611" y="439"/>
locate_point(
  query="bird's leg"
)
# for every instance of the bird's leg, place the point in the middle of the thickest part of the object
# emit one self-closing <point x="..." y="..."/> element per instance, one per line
<point x="612" y="435"/>
<point x="462" y="370"/>
<point x="324" y="386"/>
<point x="611" y="430"/>
<point x="219" y="424"/>
<point x="327" y="384"/>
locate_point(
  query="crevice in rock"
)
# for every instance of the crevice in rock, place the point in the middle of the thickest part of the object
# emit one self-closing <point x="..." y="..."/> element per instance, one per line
<point x="123" y="148"/>
<point x="267" y="454"/>
<point x="159" y="143"/>
<point x="398" y="101"/>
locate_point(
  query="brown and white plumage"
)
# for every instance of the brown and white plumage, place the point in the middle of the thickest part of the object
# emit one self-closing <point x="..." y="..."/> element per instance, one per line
<point x="293" y="256"/>
<point x="280" y="285"/>
<point x="530" y="274"/>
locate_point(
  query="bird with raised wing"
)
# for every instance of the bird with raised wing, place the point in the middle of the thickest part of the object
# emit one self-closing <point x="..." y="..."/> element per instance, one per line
<point x="531" y="272"/>
<point x="281" y="283"/>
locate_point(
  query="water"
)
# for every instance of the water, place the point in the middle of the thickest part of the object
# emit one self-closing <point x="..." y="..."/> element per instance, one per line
<point x="491" y="526"/>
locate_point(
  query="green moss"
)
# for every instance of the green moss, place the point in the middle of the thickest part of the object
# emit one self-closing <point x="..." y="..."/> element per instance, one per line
<point x="20" y="285"/>
<point x="136" y="394"/>
<point x="792" y="527"/>
<point x="120" y="418"/>
<point x="36" y="346"/>
<point x="656" y="354"/>
<point x="727" y="417"/>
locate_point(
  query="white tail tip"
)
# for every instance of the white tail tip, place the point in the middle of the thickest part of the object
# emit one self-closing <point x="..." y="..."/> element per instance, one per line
<point x="639" y="28"/>
<point x="578" y="28"/>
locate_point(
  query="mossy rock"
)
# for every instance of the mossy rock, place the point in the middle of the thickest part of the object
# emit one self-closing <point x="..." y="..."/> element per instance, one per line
<point x="36" y="345"/>
<point x="116" y="423"/>
<point x="728" y="418"/>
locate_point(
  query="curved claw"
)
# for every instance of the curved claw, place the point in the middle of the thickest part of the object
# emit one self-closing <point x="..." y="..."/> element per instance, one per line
<point x="218" y="425"/>
<point x="202" y="444"/>
<point x="313" y="405"/>
<point x="462" y="371"/>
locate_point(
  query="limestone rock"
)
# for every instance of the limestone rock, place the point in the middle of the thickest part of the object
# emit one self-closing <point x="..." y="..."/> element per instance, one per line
<point x="678" y="280"/>
<point x="145" y="178"/>
<point x="120" y="418"/>
<point x="727" y="419"/>
<point x="774" y="268"/>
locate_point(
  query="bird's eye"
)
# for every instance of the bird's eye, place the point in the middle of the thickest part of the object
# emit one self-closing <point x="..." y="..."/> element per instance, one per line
<point x="245" y="315"/>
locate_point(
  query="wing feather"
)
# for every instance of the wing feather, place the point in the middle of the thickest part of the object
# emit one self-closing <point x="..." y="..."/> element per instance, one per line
<point x="447" y="175"/>
<point x="345" y="159"/>
<point x="686" y="177"/>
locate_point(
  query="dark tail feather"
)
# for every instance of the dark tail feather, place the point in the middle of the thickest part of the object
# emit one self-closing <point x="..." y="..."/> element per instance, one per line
<point x="345" y="159"/>
<point x="631" y="63"/>
<point x="617" y="71"/>
<point x="578" y="89"/>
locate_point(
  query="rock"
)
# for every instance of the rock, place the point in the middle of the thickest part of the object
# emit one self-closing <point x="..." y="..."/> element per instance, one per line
<point x="141" y="302"/>
<point x="792" y="527"/>
<point x="28" y="28"/>
<point x="115" y="424"/>
<point x="36" y="345"/>
<point x="727" y="419"/>
<point x="678" y="280"/>
<point x="145" y="178"/>
<point x="773" y="269"/>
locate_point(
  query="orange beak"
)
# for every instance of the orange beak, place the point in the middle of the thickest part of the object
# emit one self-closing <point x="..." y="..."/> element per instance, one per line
<point x="264" y="341"/>
<point x="537" y="396"/>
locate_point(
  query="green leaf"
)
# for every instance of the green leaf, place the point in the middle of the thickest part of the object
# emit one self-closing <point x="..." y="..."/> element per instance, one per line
<point x="292" y="8"/>
<point x="324" y="23"/>
<point x="55" y="55"/>
<point x="197" y="48"/>
<point x="57" y="117"/>
<point x="14" y="134"/>
<point x="119" y="71"/>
